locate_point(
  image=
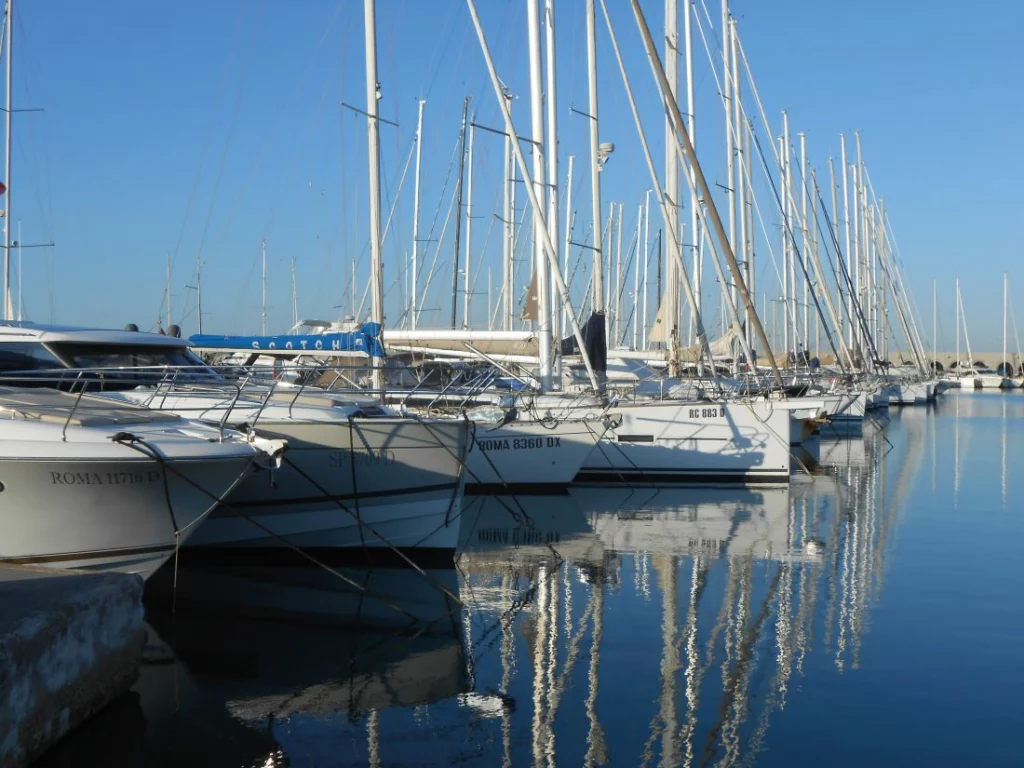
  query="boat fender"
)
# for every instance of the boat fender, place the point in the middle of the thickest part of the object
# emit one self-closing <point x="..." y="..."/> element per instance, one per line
<point x="271" y="452"/>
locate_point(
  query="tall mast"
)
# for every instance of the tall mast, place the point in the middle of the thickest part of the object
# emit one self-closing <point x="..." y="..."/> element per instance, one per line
<point x="467" y="288"/>
<point x="295" y="298"/>
<point x="859" y="224"/>
<point x="751" y="272"/>
<point x="647" y="260"/>
<point x="458" y="210"/>
<point x="8" y="27"/>
<point x="730" y="149"/>
<point x="877" y="253"/>
<point x="935" y="325"/>
<point x="373" y="96"/>
<point x="742" y="174"/>
<point x="820" y="275"/>
<point x="658" y="292"/>
<point x="866" y="239"/>
<point x="855" y="254"/>
<point x="537" y="132"/>
<point x="551" y="140"/>
<point x="669" y="306"/>
<point x="1005" y="288"/>
<point x="636" y="275"/>
<point x="21" y="305"/>
<point x="806" y="235"/>
<point x="170" y="313"/>
<point x="568" y="239"/>
<point x="508" y="242"/>
<point x="263" y="282"/>
<point x="607" y="234"/>
<point x="617" y="297"/>
<point x="692" y="127"/>
<point x="839" y="260"/>
<point x="413" y="293"/>
<point x="846" y="226"/>
<point x="490" y="300"/>
<point x="595" y="166"/>
<point x="199" y="289"/>
<point x="870" y="257"/>
<point x="789" y="331"/>
<point x="959" y="372"/>
<point x="560" y="327"/>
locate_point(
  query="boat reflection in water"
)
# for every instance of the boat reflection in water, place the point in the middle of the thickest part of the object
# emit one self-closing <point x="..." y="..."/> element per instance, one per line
<point x="257" y="677"/>
<point x="608" y="626"/>
<point x="393" y="598"/>
<point x="501" y="530"/>
<point x="669" y="626"/>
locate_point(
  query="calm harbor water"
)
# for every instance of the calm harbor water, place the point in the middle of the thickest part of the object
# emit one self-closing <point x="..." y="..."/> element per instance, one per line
<point x="869" y="613"/>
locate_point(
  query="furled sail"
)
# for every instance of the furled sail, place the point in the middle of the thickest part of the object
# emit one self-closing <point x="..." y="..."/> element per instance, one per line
<point x="728" y="346"/>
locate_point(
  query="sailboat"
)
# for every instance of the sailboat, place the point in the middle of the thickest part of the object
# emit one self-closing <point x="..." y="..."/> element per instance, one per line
<point x="979" y="376"/>
<point x="968" y="380"/>
<point x="661" y="436"/>
<point x="1013" y="378"/>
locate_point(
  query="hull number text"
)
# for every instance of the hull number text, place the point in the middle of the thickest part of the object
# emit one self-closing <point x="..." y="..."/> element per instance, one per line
<point x="380" y="458"/>
<point x="707" y="413"/>
<point x="104" y="478"/>
<point x="519" y="443"/>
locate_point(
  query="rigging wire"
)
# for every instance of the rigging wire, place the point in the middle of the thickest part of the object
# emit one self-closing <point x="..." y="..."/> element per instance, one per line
<point x="257" y="161"/>
<point x="219" y="175"/>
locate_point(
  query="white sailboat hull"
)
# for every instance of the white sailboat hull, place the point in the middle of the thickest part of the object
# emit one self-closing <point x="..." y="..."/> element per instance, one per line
<point x="846" y="416"/>
<point x="529" y="455"/>
<point x="707" y="442"/>
<point x="991" y="381"/>
<point x="807" y="415"/>
<point x="878" y="401"/>
<point x="911" y="393"/>
<point x="346" y="483"/>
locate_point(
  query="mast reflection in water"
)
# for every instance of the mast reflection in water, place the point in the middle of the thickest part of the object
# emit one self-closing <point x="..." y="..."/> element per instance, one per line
<point x="867" y="612"/>
<point x="693" y="611"/>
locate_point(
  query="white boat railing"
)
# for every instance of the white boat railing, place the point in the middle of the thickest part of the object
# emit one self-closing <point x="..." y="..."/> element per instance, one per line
<point x="182" y="382"/>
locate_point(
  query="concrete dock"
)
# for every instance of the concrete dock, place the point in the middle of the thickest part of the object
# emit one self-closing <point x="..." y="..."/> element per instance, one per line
<point x="70" y="642"/>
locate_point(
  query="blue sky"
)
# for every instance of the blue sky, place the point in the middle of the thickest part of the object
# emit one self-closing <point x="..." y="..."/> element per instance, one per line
<point x="208" y="127"/>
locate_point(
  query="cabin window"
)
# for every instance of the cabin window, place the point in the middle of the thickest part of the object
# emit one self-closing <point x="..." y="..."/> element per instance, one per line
<point x="78" y="355"/>
<point x="27" y="356"/>
<point x="128" y="365"/>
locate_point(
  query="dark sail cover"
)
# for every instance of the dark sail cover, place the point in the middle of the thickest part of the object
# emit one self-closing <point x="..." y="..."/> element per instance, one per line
<point x="594" y="339"/>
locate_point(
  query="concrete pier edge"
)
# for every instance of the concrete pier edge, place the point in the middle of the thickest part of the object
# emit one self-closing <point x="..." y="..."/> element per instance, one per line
<point x="70" y="642"/>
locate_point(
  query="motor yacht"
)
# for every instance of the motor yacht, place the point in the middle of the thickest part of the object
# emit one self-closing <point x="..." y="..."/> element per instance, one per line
<point x="89" y="483"/>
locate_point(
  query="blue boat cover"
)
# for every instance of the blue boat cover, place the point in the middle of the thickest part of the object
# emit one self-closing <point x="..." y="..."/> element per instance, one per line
<point x="366" y="340"/>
